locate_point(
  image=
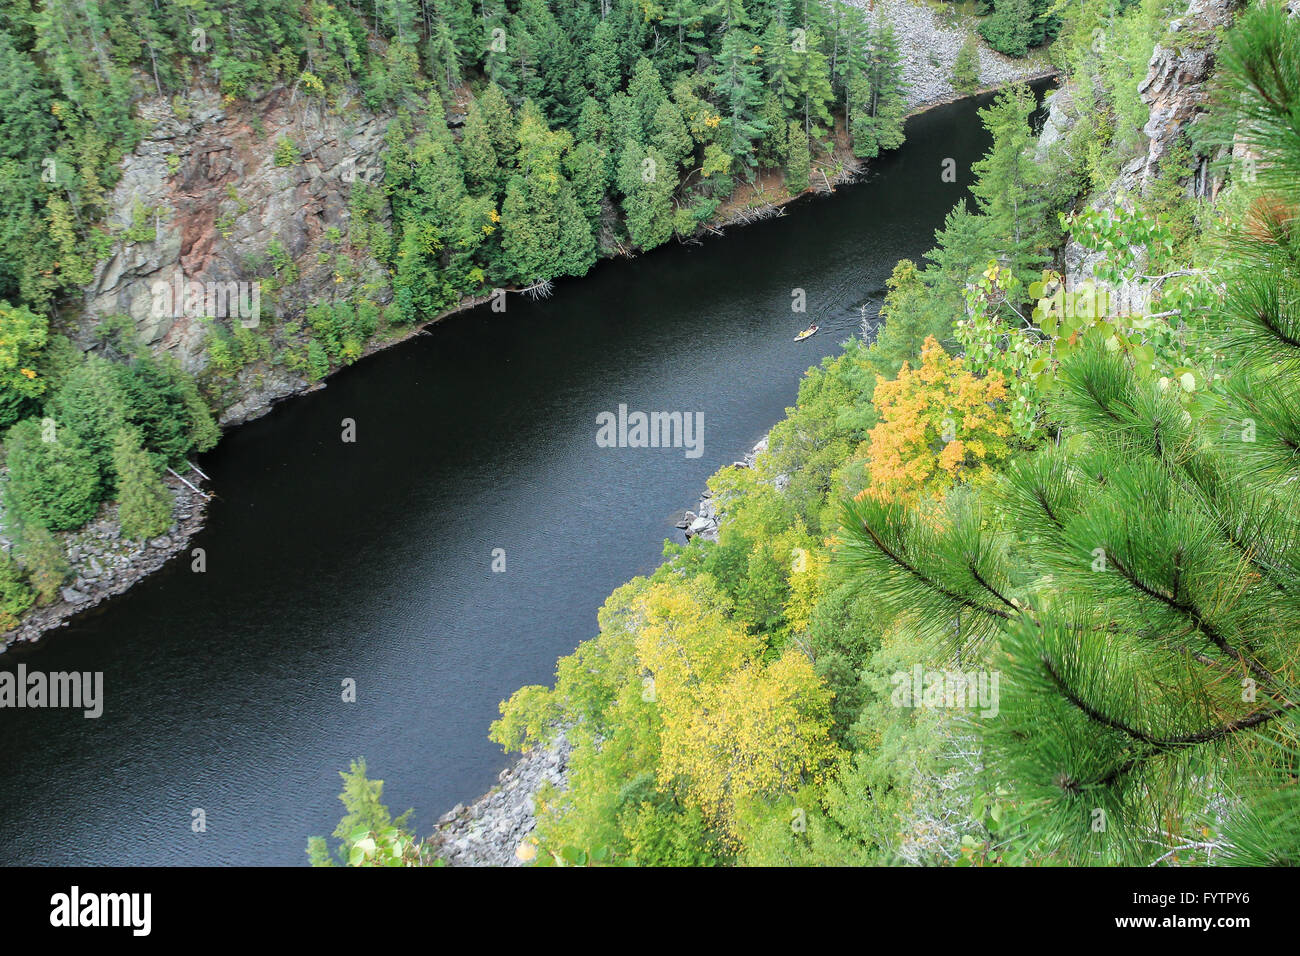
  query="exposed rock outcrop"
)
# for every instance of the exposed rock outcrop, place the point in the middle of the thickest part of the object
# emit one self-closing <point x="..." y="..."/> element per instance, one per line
<point x="206" y="178"/>
<point x="1176" y="91"/>
<point x="1175" y="86"/>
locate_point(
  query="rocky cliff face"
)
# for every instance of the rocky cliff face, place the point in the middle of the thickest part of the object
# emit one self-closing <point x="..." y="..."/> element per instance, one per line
<point x="204" y="181"/>
<point x="206" y="178"/>
<point x="1175" y="86"/>
<point x="1174" y="90"/>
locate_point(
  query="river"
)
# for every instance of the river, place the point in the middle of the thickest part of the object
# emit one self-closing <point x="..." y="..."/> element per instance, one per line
<point x="371" y="561"/>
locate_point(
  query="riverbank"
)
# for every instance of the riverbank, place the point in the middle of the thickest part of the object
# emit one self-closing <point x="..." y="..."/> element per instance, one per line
<point x="103" y="564"/>
<point x="929" y="42"/>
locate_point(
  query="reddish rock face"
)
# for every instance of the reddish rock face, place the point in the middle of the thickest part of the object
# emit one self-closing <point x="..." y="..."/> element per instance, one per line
<point x="223" y="210"/>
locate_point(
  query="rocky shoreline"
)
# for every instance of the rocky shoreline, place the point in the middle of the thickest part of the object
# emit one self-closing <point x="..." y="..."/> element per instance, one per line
<point x="104" y="564"/>
<point x="495" y="829"/>
<point x="703" y="524"/>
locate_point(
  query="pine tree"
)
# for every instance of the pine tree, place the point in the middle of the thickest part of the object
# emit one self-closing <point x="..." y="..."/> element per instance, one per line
<point x="960" y="252"/>
<point x="500" y="123"/>
<point x="646" y="91"/>
<point x="483" y="171"/>
<point x="779" y="61"/>
<point x="857" y="116"/>
<point x="850" y="44"/>
<point x="544" y="231"/>
<point x="91" y="402"/>
<point x="498" y="47"/>
<point x="625" y="130"/>
<point x="647" y="183"/>
<point x="684" y="20"/>
<point x="888" y="102"/>
<point x="811" y="74"/>
<point x="730" y="15"/>
<point x="1009" y="186"/>
<point x="443" y="57"/>
<point x="774" y="147"/>
<point x="670" y="136"/>
<point x="27" y="128"/>
<point x="911" y="315"/>
<point x="966" y="68"/>
<point x="366" y="814"/>
<point x="1138" y="579"/>
<point x="798" y="166"/>
<point x="585" y="165"/>
<point x="604" y="75"/>
<point x="53" y="478"/>
<point x="738" y="85"/>
<point x="556" y="81"/>
<point x="144" y="502"/>
<point x="398" y="19"/>
<point x="1010" y="28"/>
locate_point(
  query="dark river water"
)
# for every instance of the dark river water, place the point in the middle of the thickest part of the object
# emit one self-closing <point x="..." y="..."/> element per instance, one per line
<point x="372" y="561"/>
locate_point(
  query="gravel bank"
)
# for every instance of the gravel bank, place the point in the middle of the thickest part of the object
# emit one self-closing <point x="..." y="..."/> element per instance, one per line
<point x="929" y="41"/>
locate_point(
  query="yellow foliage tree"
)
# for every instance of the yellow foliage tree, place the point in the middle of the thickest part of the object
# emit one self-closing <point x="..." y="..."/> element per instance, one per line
<point x="758" y="733"/>
<point x="23" y="334"/>
<point x="674" y="690"/>
<point x="685" y="644"/>
<point x="807" y="574"/>
<point x="734" y="729"/>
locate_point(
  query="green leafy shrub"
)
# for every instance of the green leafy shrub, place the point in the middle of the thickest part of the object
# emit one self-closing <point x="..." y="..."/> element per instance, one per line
<point x="42" y="559"/>
<point x="286" y="153"/>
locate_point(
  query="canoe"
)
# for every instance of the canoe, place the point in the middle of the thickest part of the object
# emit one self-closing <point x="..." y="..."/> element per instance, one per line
<point x="806" y="333"/>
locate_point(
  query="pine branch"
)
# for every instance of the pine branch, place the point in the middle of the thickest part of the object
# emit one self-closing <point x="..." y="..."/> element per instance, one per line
<point x="979" y="579"/>
<point x="933" y="585"/>
<point x="1085" y="708"/>
<point x="1189" y="610"/>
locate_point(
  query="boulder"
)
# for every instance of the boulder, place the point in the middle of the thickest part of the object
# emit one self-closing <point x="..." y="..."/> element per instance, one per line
<point x="702" y="524"/>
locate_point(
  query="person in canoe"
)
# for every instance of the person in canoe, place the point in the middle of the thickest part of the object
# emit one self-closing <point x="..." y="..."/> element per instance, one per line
<point x="806" y="333"/>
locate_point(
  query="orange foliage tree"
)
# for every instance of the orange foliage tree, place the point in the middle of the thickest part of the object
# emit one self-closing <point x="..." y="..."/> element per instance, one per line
<point x="939" y="424"/>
